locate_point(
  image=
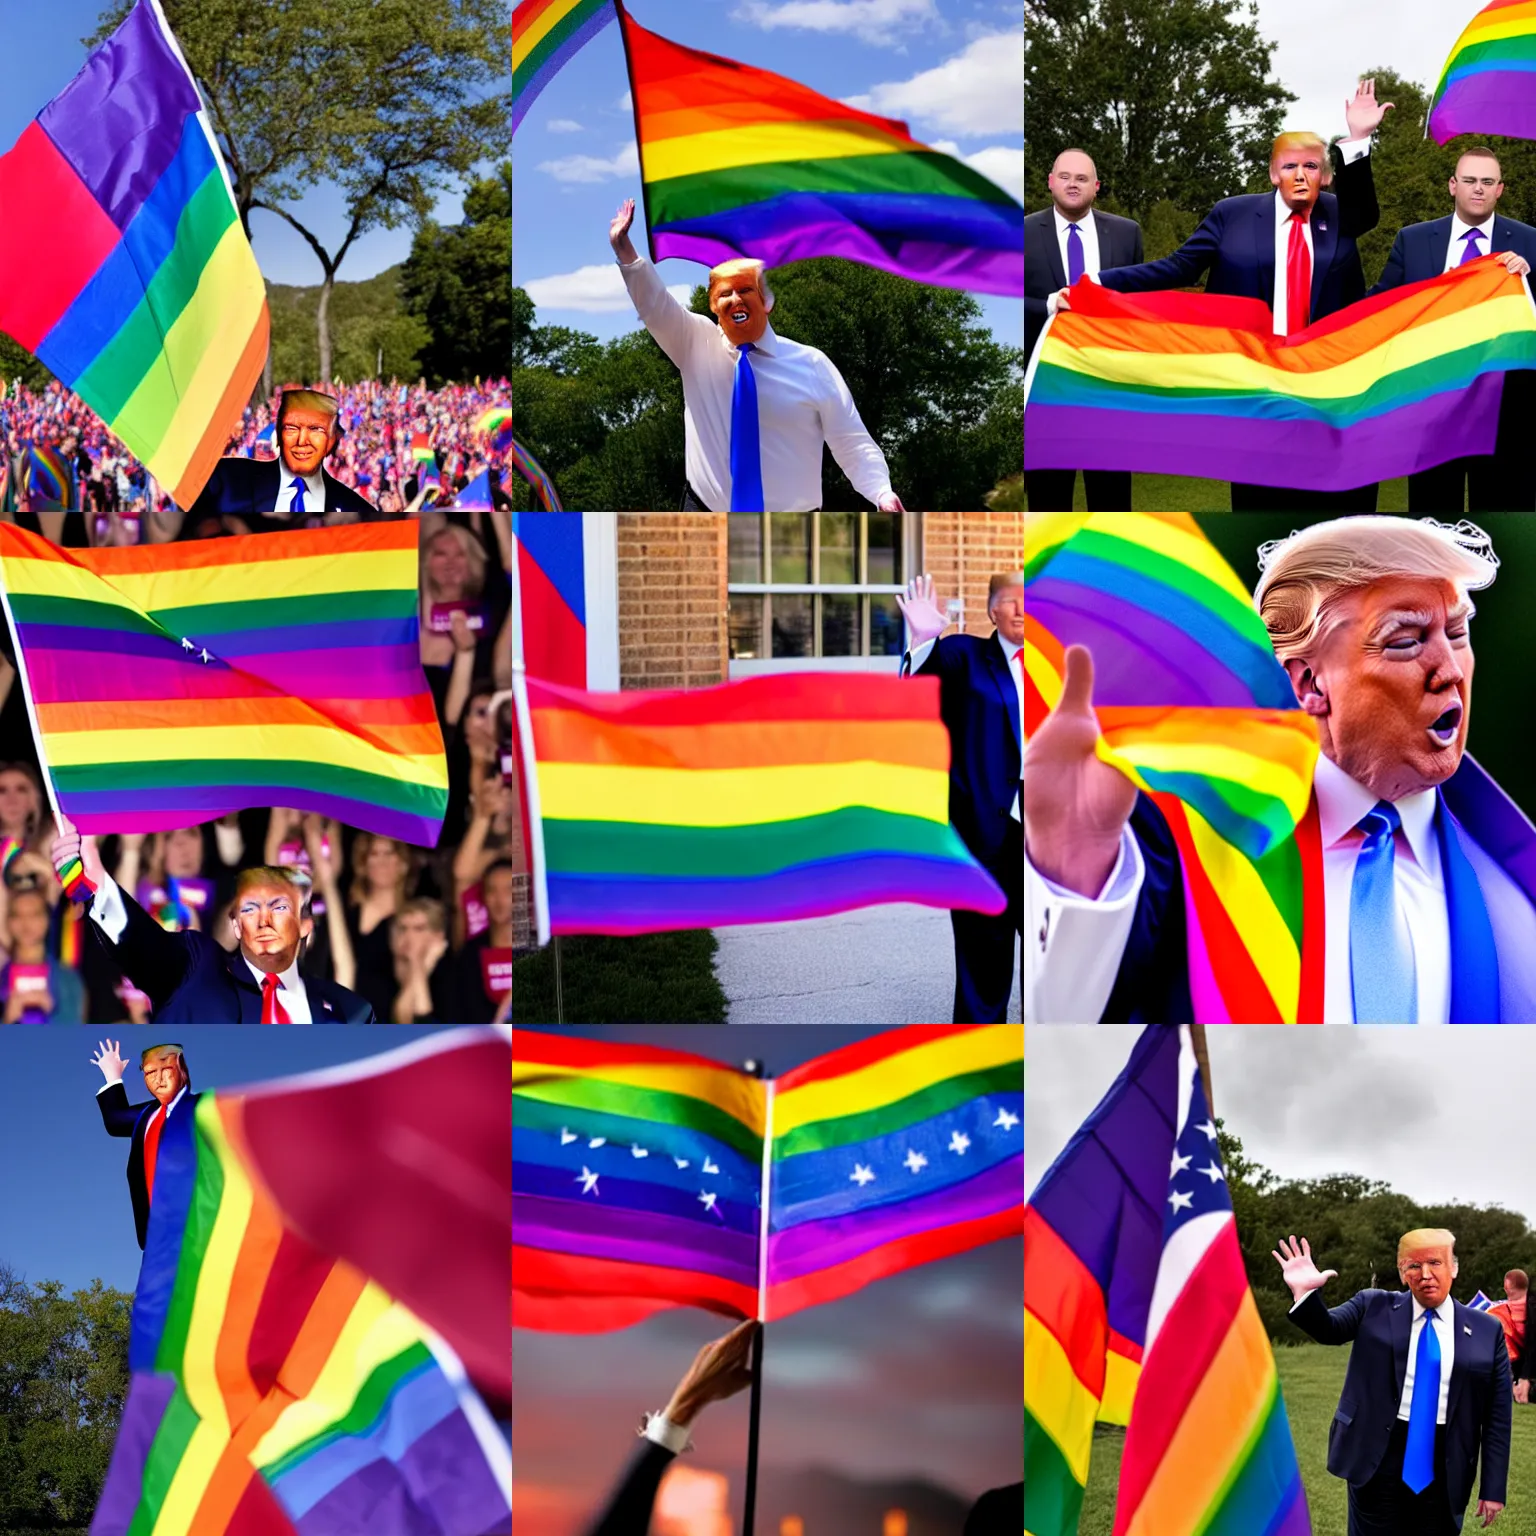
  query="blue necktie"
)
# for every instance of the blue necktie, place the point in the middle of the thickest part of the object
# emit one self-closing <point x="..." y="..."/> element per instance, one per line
<point x="1075" y="268"/>
<point x="746" y="447"/>
<point x="1380" y="951"/>
<point x="1419" y="1454"/>
<point x="1471" y="253"/>
<point x="297" y="504"/>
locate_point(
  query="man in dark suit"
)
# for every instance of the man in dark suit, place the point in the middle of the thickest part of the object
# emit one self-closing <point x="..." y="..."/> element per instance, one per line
<point x="1000" y="1510"/>
<point x="1504" y="480"/>
<point x="981" y="699"/>
<point x="168" y="1078"/>
<point x="189" y="978"/>
<point x="1427" y="1391"/>
<point x="1069" y="240"/>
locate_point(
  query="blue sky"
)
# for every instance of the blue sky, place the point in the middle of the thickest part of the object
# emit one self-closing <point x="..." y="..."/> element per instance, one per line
<point x="952" y="69"/>
<point x="46" y="35"/>
<point x="65" y="1212"/>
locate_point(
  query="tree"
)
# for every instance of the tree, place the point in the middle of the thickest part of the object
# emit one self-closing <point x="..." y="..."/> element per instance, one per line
<point x="1172" y="98"/>
<point x="380" y="98"/>
<point x="17" y="363"/>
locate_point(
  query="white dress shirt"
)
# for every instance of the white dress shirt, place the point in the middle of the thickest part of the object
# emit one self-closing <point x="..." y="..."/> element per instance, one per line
<point x="1089" y="233"/>
<point x="1350" y="150"/>
<point x="290" y="990"/>
<point x="1445" y="1331"/>
<point x="1015" y="667"/>
<point x="802" y="402"/>
<point x="1456" y="246"/>
<point x="314" y="490"/>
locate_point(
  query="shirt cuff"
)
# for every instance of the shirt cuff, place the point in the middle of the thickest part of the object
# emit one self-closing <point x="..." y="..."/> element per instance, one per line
<point x="1124" y="879"/>
<point x="1351" y="150"/>
<point x="108" y="911"/>
<point x="661" y="1431"/>
<point x="916" y="658"/>
<point x="1296" y="1304"/>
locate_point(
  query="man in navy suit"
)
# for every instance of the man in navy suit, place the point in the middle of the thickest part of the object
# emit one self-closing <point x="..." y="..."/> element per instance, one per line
<point x="1426" y="1392"/>
<point x="1293" y="249"/>
<point x="189" y="978"/>
<point x="168" y="1078"/>
<point x="1505" y="480"/>
<point x="981" y="700"/>
<point x="1069" y="240"/>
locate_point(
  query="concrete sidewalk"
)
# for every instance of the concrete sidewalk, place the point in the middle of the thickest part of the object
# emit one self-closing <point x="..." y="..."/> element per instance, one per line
<point x="879" y="965"/>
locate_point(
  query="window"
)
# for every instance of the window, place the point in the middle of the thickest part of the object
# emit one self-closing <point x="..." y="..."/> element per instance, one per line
<point x="816" y="589"/>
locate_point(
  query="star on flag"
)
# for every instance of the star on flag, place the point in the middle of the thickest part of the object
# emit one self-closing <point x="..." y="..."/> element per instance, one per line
<point x="588" y="1181"/>
<point x="861" y="1175"/>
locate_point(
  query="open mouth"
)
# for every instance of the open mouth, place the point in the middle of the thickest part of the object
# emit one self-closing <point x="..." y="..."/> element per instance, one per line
<point x="738" y="317"/>
<point x="1444" y="729"/>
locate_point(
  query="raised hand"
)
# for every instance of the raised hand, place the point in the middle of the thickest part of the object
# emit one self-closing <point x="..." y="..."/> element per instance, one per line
<point x="924" y="617"/>
<point x="1361" y="112"/>
<point x="1298" y="1268"/>
<point x="618" y="231"/>
<point x="719" y="1370"/>
<point x="1075" y="804"/>
<point x="109" y="1059"/>
<point x="70" y="843"/>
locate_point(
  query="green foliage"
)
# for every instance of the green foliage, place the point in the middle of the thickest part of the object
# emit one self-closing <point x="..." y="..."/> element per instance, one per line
<point x="365" y="317"/>
<point x="1165" y="229"/>
<point x="657" y="978"/>
<point x="1173" y="99"/>
<point x="63" y="1379"/>
<point x="17" y="363"/>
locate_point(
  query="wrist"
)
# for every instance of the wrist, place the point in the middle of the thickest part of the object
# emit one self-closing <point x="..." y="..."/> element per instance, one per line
<point x="1077" y="862"/>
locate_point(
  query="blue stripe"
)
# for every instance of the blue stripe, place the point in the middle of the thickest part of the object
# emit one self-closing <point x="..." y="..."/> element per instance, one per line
<point x="175" y="1179"/>
<point x="738" y="1213"/>
<point x="271" y="640"/>
<point x="541" y="1144"/>
<point x="554" y="544"/>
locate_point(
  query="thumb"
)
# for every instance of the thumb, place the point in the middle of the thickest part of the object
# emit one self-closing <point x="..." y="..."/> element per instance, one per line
<point x="1077" y="685"/>
<point x="66" y="826"/>
<point x="1330" y="1274"/>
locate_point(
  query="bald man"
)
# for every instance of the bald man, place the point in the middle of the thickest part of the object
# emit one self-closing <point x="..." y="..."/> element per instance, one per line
<point x="1062" y="243"/>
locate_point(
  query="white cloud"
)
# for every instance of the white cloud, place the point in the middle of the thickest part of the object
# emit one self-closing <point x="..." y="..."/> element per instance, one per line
<point x="595" y="290"/>
<point x="626" y="102"/>
<point x="594" y="167"/>
<point x="1001" y="163"/>
<point x="978" y="91"/>
<point x="874" y="21"/>
<point x="563" y="125"/>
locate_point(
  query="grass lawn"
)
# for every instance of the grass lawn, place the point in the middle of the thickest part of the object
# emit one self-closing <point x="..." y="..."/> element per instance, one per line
<point x="658" y="978"/>
<point x="1311" y="1376"/>
<point x="1176" y="493"/>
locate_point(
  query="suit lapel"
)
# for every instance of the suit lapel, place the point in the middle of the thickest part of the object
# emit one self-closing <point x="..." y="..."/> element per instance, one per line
<point x="1402" y="1330"/>
<point x="1264" y="238"/>
<point x="1053" y="252"/>
<point x="1105" y="235"/>
<point x="1002" y="679"/>
<point x="1325" y="241"/>
<point x="1462" y="1342"/>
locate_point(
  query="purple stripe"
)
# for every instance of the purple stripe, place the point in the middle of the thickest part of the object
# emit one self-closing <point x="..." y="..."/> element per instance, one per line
<point x="924" y="261"/>
<point x="604" y="904"/>
<point x="72" y="639"/>
<point x="641" y="1237"/>
<point x="817" y="1245"/>
<point x="1281" y="453"/>
<point x="557" y="60"/>
<point x="148" y="1397"/>
<point x="101" y="812"/>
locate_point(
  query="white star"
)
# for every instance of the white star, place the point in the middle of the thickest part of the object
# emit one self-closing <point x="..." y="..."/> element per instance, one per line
<point x="566" y="1136"/>
<point x="598" y="1141"/>
<point x="682" y="1162"/>
<point x="1209" y="1129"/>
<point x="1180" y="1202"/>
<point x="588" y="1181"/>
<point x="638" y="1152"/>
<point x="915" y="1160"/>
<point x="1180" y="1163"/>
<point x="709" y="1167"/>
<point x="1005" y="1120"/>
<point x="707" y="1199"/>
<point x="959" y="1142"/>
<point x="861" y="1175"/>
<point x="206" y="656"/>
<point x="187" y="645"/>
<point x="1213" y="1173"/>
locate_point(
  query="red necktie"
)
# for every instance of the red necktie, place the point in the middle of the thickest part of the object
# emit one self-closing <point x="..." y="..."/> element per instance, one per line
<point x="151" y="1150"/>
<point x="272" y="1011"/>
<point x="1298" y="278"/>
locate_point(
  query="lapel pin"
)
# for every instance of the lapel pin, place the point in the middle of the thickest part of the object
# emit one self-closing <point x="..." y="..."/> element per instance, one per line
<point x="1466" y="1328"/>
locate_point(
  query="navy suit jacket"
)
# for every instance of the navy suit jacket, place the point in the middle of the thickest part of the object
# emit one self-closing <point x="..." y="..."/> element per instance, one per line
<point x="1419" y="250"/>
<point x="249" y="487"/>
<point x="190" y="979"/>
<point x="629" y="1510"/>
<point x="980" y="708"/>
<point x="1236" y="246"/>
<point x="1044" y="274"/>
<point x="1477" y="1411"/>
<point x="124" y="1119"/>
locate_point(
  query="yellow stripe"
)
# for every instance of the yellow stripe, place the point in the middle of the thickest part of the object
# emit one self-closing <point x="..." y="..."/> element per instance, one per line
<point x="1515" y="21"/>
<point x="1184" y="546"/>
<point x="733" y="797"/>
<point x="1507" y="315"/>
<point x="190" y="1481"/>
<point x="1042" y="674"/>
<point x="1044" y="529"/>
<point x="1278" y="780"/>
<point x="766" y="144"/>
<point x="1059" y="1403"/>
<point x="197" y="360"/>
<point x="1120" y="1378"/>
<point x="261" y="743"/>
<point x="528" y="38"/>
<point x="742" y="1097"/>
<point x="897" y="1077"/>
<point x="26" y="577"/>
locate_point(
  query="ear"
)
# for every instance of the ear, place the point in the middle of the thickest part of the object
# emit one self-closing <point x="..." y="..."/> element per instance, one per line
<point x="1307" y="686"/>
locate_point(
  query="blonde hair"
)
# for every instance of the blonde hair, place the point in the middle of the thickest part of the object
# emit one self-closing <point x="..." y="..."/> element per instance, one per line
<point x="1424" y="1237"/>
<point x="362" y="846"/>
<point x="474" y="553"/>
<point x="1310" y="141"/>
<point x="309" y="400"/>
<point x="997" y="583"/>
<point x="743" y="264"/>
<point x="1306" y="576"/>
<point x="265" y="874"/>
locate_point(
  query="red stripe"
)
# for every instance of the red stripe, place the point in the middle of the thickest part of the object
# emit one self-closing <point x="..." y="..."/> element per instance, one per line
<point x="1309" y="843"/>
<point x="865" y="1053"/>
<point x="259" y="1514"/>
<point x="583" y="1314"/>
<point x="537" y="1272"/>
<point x="1202" y="1315"/>
<point x="1061" y="1292"/>
<point x="213" y="554"/>
<point x="529" y="12"/>
<point x="298" y="1271"/>
<point x="1120" y="1345"/>
<point x="532" y="1045"/>
<point x="554" y="639"/>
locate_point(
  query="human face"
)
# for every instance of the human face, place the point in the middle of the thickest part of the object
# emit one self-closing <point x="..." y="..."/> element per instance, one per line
<point x="1008" y="614"/>
<point x="164" y="1075"/>
<point x="496" y="891"/>
<point x="1512" y="1289"/>
<point x="447" y="564"/>
<point x="184" y="853"/>
<point x="1428" y="1273"/>
<point x="1299" y="175"/>
<point x="1073" y="183"/>
<point x="739" y="306"/>
<point x="1391" y="685"/>
<point x="18" y="800"/>
<point x="412" y="933"/>
<point x="383" y="864"/>
<point x="28" y="914"/>
<point x="1476" y="188"/>
<point x="267" y="918"/>
<point x="307" y="438"/>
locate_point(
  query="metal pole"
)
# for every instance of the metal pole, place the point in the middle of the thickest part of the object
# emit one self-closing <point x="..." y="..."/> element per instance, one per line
<point x="1197" y="1041"/>
<point x="749" y="1511"/>
<point x="559" y="985"/>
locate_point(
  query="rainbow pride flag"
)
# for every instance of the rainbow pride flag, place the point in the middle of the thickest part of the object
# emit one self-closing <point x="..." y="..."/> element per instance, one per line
<point x="534" y="473"/>
<point x="638" y="1174"/>
<point x="172" y="683"/>
<point x="735" y="161"/>
<point x="1208" y="1451"/>
<point x="1487" y="84"/>
<point x="50" y="480"/>
<point x="1164" y="382"/>
<point x="546" y="34"/>
<point x="766" y="800"/>
<point x="152" y="309"/>
<point x="549" y="624"/>
<point x="276" y="1388"/>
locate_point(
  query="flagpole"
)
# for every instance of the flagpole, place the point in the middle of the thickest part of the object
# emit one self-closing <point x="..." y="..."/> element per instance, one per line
<point x="1197" y="1040"/>
<point x="749" y="1512"/>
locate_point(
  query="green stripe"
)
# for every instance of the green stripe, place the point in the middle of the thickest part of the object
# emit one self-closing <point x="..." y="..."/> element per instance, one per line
<point x="705" y="853"/>
<point x="916" y="171"/>
<point x="128" y="358"/>
<point x="653" y="1105"/>
<point x="171" y="1439"/>
<point x="236" y="772"/>
<point x="938" y="1099"/>
<point x="1253" y="821"/>
<point x="81" y="613"/>
<point x="1053" y="1498"/>
<point x="204" y="619"/>
<point x="365" y="1411"/>
<point x="1280" y="870"/>
<point x="547" y="45"/>
<point x="202" y="1212"/>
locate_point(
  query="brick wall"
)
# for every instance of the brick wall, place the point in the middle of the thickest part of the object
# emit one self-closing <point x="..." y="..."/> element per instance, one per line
<point x="961" y="550"/>
<point x="672" y="603"/>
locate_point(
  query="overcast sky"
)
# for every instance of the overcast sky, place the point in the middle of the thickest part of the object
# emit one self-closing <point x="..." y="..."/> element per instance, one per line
<point x="1428" y="1110"/>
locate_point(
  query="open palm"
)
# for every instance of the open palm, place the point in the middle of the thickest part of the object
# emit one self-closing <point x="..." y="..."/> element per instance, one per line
<point x="1298" y="1267"/>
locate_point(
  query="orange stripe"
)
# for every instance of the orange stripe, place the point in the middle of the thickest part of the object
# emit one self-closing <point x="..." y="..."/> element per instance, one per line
<point x="744" y="113"/>
<point x="168" y="714"/>
<point x="205" y="554"/>
<point x="226" y="1486"/>
<point x="242" y="380"/>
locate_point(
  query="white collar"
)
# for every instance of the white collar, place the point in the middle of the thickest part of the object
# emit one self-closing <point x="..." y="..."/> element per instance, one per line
<point x="1063" y="223"/>
<point x="288" y="981"/>
<point x="767" y="343"/>
<point x="1342" y="801"/>
<point x="1283" y="211"/>
<point x="1446" y="1311"/>
<point x="172" y="1105"/>
<point x="1459" y="228"/>
<point x="314" y="485"/>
